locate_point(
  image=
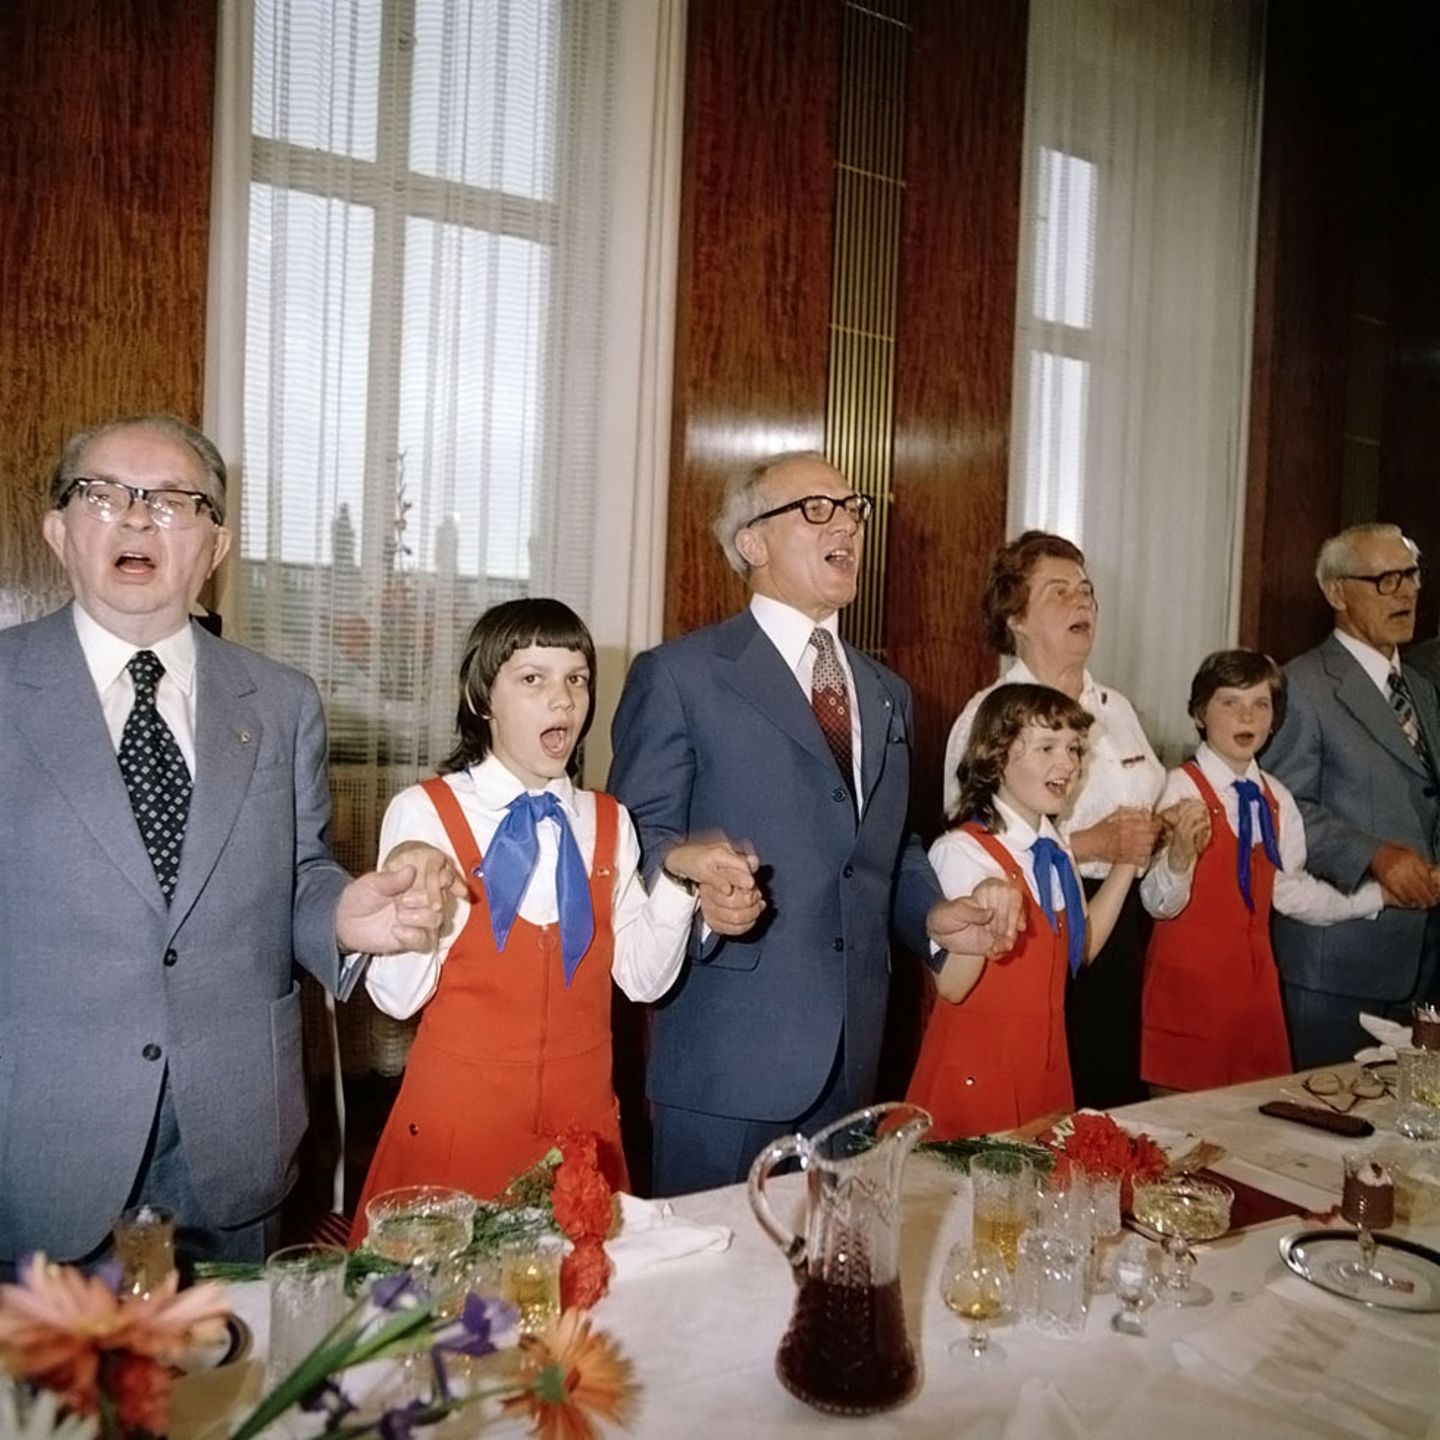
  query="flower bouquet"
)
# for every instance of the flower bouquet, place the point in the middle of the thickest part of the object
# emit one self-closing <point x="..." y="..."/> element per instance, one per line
<point x="1094" y="1143"/>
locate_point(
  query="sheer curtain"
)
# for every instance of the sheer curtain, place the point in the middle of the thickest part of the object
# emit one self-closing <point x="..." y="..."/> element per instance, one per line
<point x="441" y="321"/>
<point x="1133" y="322"/>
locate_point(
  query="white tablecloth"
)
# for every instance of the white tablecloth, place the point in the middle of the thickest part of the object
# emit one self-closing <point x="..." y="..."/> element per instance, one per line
<point x="1272" y="1356"/>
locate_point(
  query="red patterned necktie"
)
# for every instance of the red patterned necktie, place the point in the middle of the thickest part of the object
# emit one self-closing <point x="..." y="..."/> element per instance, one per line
<point x="830" y="700"/>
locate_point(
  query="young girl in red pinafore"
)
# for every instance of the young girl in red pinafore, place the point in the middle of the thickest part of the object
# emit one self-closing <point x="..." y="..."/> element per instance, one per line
<point x="994" y="1054"/>
<point x="513" y="1047"/>
<point x="1210" y="1010"/>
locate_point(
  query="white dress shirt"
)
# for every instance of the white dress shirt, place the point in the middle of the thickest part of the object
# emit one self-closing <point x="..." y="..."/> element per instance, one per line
<point x="1377" y="666"/>
<point x="789" y="631"/>
<point x="1120" y="767"/>
<point x="650" y="930"/>
<point x="1298" y="894"/>
<point x="106" y="657"/>
<point x="962" y="862"/>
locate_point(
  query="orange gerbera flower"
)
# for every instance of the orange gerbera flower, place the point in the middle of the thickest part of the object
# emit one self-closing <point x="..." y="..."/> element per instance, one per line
<point x="569" y="1374"/>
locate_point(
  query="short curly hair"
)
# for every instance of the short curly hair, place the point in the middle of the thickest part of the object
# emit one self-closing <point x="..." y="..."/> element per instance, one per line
<point x="1007" y="591"/>
<point x="999" y="722"/>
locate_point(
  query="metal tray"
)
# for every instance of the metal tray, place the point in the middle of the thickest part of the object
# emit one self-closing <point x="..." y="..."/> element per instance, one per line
<point x="1415" y="1268"/>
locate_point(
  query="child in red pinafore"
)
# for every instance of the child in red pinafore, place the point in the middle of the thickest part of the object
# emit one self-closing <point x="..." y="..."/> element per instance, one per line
<point x="1211" y="1012"/>
<point x="513" y="1047"/>
<point x="994" y="1053"/>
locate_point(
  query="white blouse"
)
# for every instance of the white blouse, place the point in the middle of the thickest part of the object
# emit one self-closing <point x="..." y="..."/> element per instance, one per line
<point x="962" y="862"/>
<point x="650" y="930"/>
<point x="1298" y="894"/>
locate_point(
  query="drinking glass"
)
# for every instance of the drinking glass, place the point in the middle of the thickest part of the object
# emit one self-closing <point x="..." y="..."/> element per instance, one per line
<point x="1050" y="1281"/>
<point x="1134" y="1284"/>
<point x="975" y="1285"/>
<point x="1417" y="1115"/>
<point x="1003" y="1187"/>
<point x="1182" y="1209"/>
<point x="307" y="1299"/>
<point x="145" y="1248"/>
<point x="420" y="1225"/>
<point x="530" y="1278"/>
<point x="1425" y="1026"/>
<point x="1367" y="1201"/>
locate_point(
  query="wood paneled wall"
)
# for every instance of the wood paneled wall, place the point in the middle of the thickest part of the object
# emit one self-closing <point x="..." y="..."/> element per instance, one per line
<point x="105" y="118"/>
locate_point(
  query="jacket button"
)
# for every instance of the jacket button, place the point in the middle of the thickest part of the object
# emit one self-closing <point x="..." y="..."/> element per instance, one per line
<point x="170" y="957"/>
<point x="839" y="793"/>
<point x="151" y="1051"/>
<point x="837" y="943"/>
<point x="414" y="1128"/>
<point x="848" y="871"/>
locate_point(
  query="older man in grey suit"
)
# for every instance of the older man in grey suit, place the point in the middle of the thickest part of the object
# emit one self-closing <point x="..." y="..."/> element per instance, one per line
<point x="769" y="729"/>
<point x="1359" y="750"/>
<point x="167" y="865"/>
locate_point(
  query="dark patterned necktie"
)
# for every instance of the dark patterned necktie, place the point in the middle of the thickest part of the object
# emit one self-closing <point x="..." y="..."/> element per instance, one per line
<point x="830" y="700"/>
<point x="1404" y="708"/>
<point x="155" y="773"/>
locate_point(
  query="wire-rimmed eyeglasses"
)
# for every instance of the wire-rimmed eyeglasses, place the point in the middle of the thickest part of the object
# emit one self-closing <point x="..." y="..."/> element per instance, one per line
<point x="818" y="509"/>
<point x="109" y="500"/>
<point x="1387" y="582"/>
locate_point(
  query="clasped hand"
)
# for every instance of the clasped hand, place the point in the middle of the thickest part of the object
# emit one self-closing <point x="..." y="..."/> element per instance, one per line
<point x="1409" y="880"/>
<point x="1187" y="826"/>
<point x="1126" y="836"/>
<point x="988" y="922"/>
<point x="730" y="900"/>
<point x="401" y="907"/>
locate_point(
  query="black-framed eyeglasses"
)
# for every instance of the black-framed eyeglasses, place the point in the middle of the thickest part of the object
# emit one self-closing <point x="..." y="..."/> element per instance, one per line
<point x="818" y="509"/>
<point x="109" y="500"/>
<point x="1387" y="582"/>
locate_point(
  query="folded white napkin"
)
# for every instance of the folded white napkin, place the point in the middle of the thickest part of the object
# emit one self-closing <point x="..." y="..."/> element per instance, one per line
<point x="1389" y="1033"/>
<point x="652" y="1233"/>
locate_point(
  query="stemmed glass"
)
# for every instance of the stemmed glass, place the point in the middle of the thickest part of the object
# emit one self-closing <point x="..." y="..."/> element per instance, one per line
<point x="1368" y="1203"/>
<point x="1134" y="1284"/>
<point x="1182" y="1209"/>
<point x="975" y="1285"/>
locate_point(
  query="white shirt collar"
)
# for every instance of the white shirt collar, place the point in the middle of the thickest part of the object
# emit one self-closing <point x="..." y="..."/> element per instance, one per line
<point x="107" y="655"/>
<point x="1019" y="833"/>
<point x="1377" y="666"/>
<point x="496" y="787"/>
<point x="788" y="629"/>
<point x="1019" y="673"/>
<point x="1218" y="773"/>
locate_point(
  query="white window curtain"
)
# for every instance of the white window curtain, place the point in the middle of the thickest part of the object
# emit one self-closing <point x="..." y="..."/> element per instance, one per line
<point x="439" y="345"/>
<point x="1133" y="322"/>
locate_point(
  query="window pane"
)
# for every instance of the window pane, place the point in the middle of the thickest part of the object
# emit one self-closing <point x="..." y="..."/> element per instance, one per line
<point x="483" y="94"/>
<point x="1055" y="456"/>
<point x="1064" y="239"/>
<point x="317" y="69"/>
<point x="470" y="395"/>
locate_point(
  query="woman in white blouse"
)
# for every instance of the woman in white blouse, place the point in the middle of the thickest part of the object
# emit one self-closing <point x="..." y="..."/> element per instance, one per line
<point x="1040" y="607"/>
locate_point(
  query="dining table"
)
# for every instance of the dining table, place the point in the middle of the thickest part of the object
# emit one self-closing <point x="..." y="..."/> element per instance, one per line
<point x="1272" y="1355"/>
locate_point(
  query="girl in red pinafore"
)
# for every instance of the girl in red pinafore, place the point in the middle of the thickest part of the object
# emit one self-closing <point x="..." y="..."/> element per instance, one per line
<point x="994" y="1053"/>
<point x="513" y="1047"/>
<point x="1210" y="1011"/>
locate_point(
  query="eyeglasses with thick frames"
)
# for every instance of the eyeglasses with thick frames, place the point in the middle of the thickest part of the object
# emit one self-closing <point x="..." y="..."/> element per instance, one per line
<point x="1387" y="582"/>
<point x="818" y="509"/>
<point x="110" y="500"/>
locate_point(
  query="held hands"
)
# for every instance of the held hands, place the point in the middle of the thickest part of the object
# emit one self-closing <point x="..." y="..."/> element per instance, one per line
<point x="1406" y="877"/>
<point x="730" y="900"/>
<point x="985" y="924"/>
<point x="1187" y="822"/>
<point x="1126" y="836"/>
<point x="401" y="907"/>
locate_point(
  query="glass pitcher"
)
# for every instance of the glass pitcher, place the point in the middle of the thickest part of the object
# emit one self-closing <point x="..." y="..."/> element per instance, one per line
<point x="846" y="1350"/>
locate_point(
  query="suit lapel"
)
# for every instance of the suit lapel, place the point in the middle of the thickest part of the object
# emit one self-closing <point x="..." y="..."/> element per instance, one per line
<point x="877" y="712"/>
<point x="66" y="728"/>
<point x="1423" y="693"/>
<point x="227" y="740"/>
<point x="1359" y="694"/>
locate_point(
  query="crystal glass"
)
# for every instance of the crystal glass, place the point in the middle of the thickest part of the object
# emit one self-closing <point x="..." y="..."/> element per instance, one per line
<point x="307" y="1299"/>
<point x="1417" y="1114"/>
<point x="1134" y="1284"/>
<point x="1367" y="1201"/>
<point x="1050" y="1281"/>
<point x="144" y="1239"/>
<point x="975" y="1285"/>
<point x="1183" y="1209"/>
<point x="420" y="1225"/>
<point x="530" y="1278"/>
<point x="1004" y="1197"/>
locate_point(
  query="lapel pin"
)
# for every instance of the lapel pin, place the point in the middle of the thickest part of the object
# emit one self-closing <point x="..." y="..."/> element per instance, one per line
<point x="243" y="736"/>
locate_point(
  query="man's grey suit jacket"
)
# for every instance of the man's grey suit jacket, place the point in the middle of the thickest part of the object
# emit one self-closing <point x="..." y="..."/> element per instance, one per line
<point x="1358" y="782"/>
<point x="103" y="988"/>
<point x="713" y="733"/>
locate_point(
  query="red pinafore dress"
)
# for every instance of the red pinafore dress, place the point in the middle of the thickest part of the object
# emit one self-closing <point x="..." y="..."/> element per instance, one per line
<point x="1210" y="1009"/>
<point x="998" y="1059"/>
<point x="506" y="1057"/>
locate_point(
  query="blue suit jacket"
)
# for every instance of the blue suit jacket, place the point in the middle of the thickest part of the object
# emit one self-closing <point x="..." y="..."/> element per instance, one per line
<point x="95" y="968"/>
<point x="1358" y="782"/>
<point x="712" y="732"/>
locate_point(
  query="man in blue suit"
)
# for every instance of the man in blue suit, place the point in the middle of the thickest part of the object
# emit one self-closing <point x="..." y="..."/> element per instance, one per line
<point x="769" y="729"/>
<point x="167" y="866"/>
<point x="1359" y="749"/>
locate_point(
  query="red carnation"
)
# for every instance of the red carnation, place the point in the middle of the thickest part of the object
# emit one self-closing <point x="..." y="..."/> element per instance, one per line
<point x="584" y="1274"/>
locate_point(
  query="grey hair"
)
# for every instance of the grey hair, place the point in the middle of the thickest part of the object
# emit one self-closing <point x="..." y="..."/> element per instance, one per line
<point x="743" y="501"/>
<point x="67" y="467"/>
<point x="1336" y="559"/>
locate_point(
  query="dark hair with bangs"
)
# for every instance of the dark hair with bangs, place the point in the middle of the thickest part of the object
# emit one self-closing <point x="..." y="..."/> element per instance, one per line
<point x="1237" y="670"/>
<point x="493" y="639"/>
<point x="1002" y="717"/>
<point x="1007" y="590"/>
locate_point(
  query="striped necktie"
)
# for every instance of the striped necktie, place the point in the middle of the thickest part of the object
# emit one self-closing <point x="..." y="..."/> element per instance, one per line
<point x="1404" y="708"/>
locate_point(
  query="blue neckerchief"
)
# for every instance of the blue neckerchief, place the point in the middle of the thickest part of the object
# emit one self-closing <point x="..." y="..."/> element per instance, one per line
<point x="1251" y="796"/>
<point x="509" y="863"/>
<point x="1051" y="859"/>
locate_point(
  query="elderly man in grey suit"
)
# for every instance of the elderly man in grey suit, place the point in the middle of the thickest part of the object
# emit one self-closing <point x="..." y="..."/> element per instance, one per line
<point x="1359" y="749"/>
<point x="772" y="731"/>
<point x="167" y="865"/>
